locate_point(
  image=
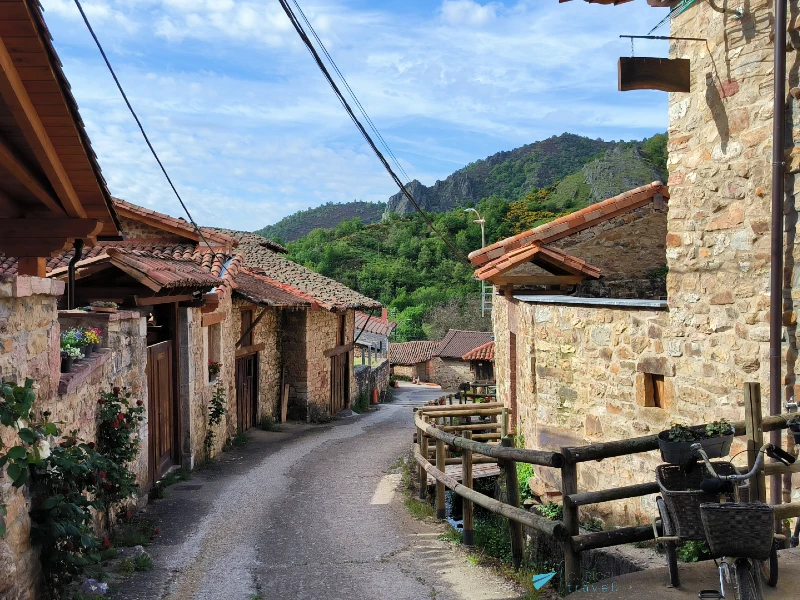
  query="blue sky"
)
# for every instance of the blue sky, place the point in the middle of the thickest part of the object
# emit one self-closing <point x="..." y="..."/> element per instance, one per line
<point x="250" y="131"/>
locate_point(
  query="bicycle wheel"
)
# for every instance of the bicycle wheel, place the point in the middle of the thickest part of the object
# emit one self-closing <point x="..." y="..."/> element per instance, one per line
<point x="769" y="567"/>
<point x="748" y="583"/>
<point x="672" y="555"/>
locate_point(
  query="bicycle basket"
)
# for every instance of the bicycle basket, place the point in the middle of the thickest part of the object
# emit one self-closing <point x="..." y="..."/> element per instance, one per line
<point x="683" y="497"/>
<point x="743" y="530"/>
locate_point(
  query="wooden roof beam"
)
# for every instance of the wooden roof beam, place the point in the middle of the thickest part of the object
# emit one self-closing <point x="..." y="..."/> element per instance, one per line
<point x="16" y="97"/>
<point x="21" y="172"/>
<point x="523" y="280"/>
<point x="34" y="238"/>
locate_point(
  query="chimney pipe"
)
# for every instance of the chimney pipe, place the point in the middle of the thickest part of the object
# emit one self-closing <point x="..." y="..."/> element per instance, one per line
<point x="384" y="314"/>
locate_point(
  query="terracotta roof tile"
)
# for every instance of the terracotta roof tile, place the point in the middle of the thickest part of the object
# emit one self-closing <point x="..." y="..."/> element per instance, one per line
<point x="374" y="324"/>
<point x="328" y="293"/>
<point x="457" y="343"/>
<point x="485" y="352"/>
<point x="166" y="273"/>
<point x="411" y="353"/>
<point x="570" y="224"/>
<point x="258" y="289"/>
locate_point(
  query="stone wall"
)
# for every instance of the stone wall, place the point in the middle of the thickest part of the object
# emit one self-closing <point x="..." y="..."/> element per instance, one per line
<point x="409" y="371"/>
<point x="136" y="230"/>
<point x="294" y="361"/>
<point x="448" y="372"/>
<point x="267" y="332"/>
<point x="367" y="378"/>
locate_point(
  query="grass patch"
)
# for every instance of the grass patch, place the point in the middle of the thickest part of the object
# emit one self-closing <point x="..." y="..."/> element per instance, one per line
<point x="240" y="439"/>
<point x="159" y="490"/>
<point x="143" y="562"/>
<point x="451" y="535"/>
<point x="126" y="567"/>
<point x="419" y="509"/>
<point x="268" y="423"/>
<point x="361" y="403"/>
<point x="139" y="532"/>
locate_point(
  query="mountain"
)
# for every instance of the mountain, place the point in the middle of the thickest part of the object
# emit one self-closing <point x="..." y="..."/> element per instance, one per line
<point x="327" y="215"/>
<point x="509" y="174"/>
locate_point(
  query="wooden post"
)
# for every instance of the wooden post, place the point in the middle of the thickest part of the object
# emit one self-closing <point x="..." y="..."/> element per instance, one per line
<point x="441" y="449"/>
<point x="755" y="438"/>
<point x="572" y="559"/>
<point x="468" y="538"/>
<point x="284" y="402"/>
<point x="423" y="474"/>
<point x="504" y="423"/>
<point x="512" y="497"/>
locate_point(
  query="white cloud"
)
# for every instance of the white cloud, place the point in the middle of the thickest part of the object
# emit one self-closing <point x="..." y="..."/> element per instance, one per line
<point x="468" y="12"/>
<point x="250" y="130"/>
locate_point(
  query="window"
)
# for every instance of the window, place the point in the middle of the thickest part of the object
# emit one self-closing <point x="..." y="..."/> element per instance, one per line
<point x="247" y="322"/>
<point x="650" y="390"/>
<point x="213" y="350"/>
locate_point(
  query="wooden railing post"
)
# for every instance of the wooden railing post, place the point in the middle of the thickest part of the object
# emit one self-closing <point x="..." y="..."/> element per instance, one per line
<point x="423" y="475"/>
<point x="468" y="536"/>
<point x="569" y="485"/>
<point x="512" y="496"/>
<point x="755" y="438"/>
<point x="504" y="423"/>
<point x="441" y="450"/>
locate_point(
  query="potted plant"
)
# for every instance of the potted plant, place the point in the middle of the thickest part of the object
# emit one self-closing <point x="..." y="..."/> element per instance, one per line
<point x="92" y="336"/>
<point x="214" y="369"/>
<point x="68" y="355"/>
<point x="676" y="442"/>
<point x="794" y="427"/>
<point x="104" y="307"/>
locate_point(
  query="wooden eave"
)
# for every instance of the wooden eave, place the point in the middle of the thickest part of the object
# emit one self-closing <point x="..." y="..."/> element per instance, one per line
<point x="49" y="175"/>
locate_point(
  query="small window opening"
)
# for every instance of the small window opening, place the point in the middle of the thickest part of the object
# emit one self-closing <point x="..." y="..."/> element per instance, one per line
<point x="213" y="346"/>
<point x="654" y="390"/>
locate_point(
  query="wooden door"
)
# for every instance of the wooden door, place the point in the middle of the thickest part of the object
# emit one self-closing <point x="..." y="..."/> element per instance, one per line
<point x="340" y="382"/>
<point x="246" y="391"/>
<point x="161" y="409"/>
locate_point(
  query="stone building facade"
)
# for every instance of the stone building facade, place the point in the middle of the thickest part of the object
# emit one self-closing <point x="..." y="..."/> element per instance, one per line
<point x="579" y="374"/>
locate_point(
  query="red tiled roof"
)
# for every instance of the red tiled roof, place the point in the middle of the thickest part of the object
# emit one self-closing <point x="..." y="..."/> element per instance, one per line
<point x="374" y="324"/>
<point x="571" y="223"/>
<point x="259" y="289"/>
<point x="262" y="242"/>
<point x="411" y="353"/>
<point x="158" y="272"/>
<point x="457" y="343"/>
<point x="485" y="352"/>
<point x="547" y="257"/>
<point x="328" y="293"/>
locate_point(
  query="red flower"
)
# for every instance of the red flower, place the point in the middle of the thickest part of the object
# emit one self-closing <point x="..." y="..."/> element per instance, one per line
<point x="101" y="401"/>
<point x="102" y="474"/>
<point x="120" y="417"/>
<point x="115" y="424"/>
<point x="157" y="531"/>
<point x="91" y="445"/>
<point x="128" y="515"/>
<point x="116" y="390"/>
<point x="139" y="403"/>
<point x="69" y="546"/>
<point x="106" y="485"/>
<point x="106" y="543"/>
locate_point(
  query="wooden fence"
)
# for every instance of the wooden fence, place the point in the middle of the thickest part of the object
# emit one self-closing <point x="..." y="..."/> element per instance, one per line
<point x="438" y="423"/>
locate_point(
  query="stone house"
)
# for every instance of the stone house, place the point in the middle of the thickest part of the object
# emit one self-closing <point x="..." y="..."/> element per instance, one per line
<point x="481" y="362"/>
<point x="317" y="339"/>
<point x="578" y="367"/>
<point x="372" y="335"/>
<point x="448" y="367"/>
<point x="412" y="359"/>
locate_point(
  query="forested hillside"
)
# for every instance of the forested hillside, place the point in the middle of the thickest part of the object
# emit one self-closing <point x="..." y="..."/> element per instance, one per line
<point x="400" y="262"/>
<point x="300" y="223"/>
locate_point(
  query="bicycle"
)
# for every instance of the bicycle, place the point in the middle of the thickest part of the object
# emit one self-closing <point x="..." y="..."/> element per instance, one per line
<point x="740" y="534"/>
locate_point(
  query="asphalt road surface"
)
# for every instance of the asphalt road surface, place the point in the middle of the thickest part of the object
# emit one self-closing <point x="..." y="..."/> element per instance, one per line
<point x="312" y="512"/>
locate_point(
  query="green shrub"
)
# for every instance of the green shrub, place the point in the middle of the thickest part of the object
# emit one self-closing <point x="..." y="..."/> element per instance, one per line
<point x="268" y="423"/>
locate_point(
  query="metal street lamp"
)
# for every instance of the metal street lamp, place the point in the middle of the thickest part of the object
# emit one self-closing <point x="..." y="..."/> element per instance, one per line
<point x="482" y="222"/>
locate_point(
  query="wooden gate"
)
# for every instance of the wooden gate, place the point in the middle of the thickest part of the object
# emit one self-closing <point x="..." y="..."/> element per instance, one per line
<point x="246" y="391"/>
<point x="160" y="409"/>
<point x="340" y="382"/>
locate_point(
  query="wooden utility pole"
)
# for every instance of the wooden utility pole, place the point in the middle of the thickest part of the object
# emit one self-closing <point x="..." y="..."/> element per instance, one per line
<point x="468" y="536"/>
<point x="512" y="497"/>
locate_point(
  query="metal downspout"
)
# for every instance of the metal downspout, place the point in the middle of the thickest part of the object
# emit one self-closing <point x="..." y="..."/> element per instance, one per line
<point x="776" y="247"/>
<point x="78" y="246"/>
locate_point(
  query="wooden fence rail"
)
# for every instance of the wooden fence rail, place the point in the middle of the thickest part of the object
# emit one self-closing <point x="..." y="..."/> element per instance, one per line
<point x="437" y="423"/>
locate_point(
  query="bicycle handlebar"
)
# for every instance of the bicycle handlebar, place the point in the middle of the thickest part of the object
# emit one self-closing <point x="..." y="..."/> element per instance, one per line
<point x="768" y="449"/>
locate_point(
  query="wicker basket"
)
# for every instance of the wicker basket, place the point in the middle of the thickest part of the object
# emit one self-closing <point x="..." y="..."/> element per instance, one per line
<point x="742" y="530"/>
<point x="683" y="497"/>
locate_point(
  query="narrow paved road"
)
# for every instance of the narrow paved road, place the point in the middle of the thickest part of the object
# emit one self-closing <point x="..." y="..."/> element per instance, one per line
<point x="311" y="512"/>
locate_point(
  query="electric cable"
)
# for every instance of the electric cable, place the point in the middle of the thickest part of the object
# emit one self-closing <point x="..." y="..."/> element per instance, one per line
<point x="141" y="127"/>
<point x="315" y="55"/>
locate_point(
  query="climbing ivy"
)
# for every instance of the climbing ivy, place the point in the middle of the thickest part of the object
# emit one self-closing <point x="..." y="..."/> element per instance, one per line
<point x="216" y="410"/>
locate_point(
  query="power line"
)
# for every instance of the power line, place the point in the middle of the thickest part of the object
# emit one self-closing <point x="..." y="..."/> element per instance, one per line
<point x="310" y="46"/>
<point x="139" y="123"/>
<point x="352" y="93"/>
